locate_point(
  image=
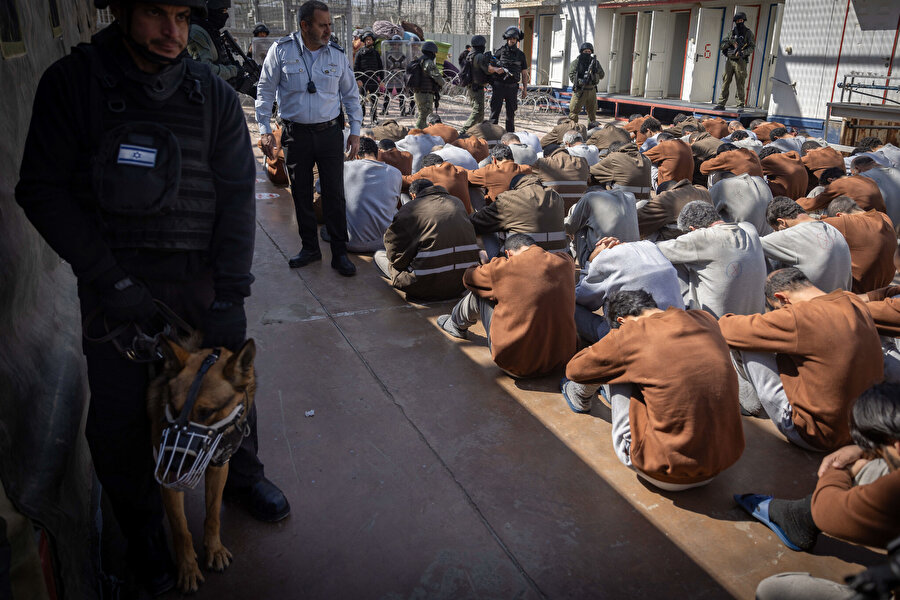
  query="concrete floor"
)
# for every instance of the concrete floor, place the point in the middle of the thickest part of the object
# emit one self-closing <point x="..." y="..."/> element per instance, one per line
<point x="427" y="473"/>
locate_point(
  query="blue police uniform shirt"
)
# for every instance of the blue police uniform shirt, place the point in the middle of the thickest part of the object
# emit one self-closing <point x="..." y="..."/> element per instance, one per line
<point x="285" y="75"/>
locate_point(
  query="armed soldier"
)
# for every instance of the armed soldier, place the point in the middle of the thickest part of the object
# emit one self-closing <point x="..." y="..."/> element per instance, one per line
<point x="368" y="67"/>
<point x="260" y="31"/>
<point x="585" y="73"/>
<point x="425" y="81"/>
<point x="206" y="44"/>
<point x="481" y="69"/>
<point x="737" y="48"/>
<point x="505" y="86"/>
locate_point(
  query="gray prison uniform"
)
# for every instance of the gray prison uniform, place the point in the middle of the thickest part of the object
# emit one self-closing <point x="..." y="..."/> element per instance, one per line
<point x="743" y="199"/>
<point x="888" y="180"/>
<point x="814" y="247"/>
<point x="631" y="266"/>
<point x="460" y="157"/>
<point x="372" y="189"/>
<point x="599" y="214"/>
<point x="723" y="267"/>
<point x="419" y="146"/>
<point x="589" y="153"/>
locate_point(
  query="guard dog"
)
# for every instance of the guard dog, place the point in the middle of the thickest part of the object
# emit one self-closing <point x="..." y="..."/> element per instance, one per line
<point x="198" y="408"/>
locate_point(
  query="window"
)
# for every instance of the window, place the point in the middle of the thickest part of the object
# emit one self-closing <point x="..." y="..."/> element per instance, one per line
<point x="54" y="19"/>
<point x="11" y="43"/>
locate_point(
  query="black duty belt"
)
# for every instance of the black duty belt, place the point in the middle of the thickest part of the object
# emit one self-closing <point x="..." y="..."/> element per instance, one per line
<point x="315" y="126"/>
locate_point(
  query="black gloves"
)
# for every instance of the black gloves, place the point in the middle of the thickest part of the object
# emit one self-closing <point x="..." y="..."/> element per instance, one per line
<point x="225" y="324"/>
<point x="125" y="300"/>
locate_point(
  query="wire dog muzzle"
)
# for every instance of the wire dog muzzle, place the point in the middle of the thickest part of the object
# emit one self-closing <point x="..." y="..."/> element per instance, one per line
<point x="187" y="448"/>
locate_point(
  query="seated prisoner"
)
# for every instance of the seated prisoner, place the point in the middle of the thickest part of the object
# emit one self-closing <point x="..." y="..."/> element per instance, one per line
<point x="657" y="217"/>
<point x="477" y="147"/>
<point x="785" y="172"/>
<point x="606" y="135"/>
<point x="496" y="176"/>
<point x="419" y="144"/>
<point x="575" y="146"/>
<point x="563" y="172"/>
<point x="743" y="199"/>
<point x="428" y="244"/>
<point x="527" y="207"/>
<point x="807" y="360"/>
<point x="785" y="141"/>
<point x="401" y="160"/>
<point x="872" y="241"/>
<point x="487" y="131"/>
<point x="650" y="129"/>
<point x="618" y="266"/>
<point x="372" y="189"/>
<point x="675" y="417"/>
<point x="762" y="129"/>
<point x="633" y="127"/>
<point x="814" y="247"/>
<point x="671" y="158"/>
<point x="721" y="265"/>
<point x="445" y="174"/>
<point x="745" y="139"/>
<point x="855" y="498"/>
<point x="600" y="214"/>
<point x="438" y="128"/>
<point x="456" y="155"/>
<point x="731" y="160"/>
<point x="523" y="154"/>
<point x="884" y="306"/>
<point x="624" y="167"/>
<point x="715" y="126"/>
<point x="526" y="301"/>
<point x="888" y="181"/>
<point x="816" y="158"/>
<point x="863" y="190"/>
<point x="553" y="139"/>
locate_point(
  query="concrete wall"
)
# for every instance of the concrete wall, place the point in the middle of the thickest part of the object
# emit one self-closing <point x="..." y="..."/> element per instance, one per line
<point x="44" y="464"/>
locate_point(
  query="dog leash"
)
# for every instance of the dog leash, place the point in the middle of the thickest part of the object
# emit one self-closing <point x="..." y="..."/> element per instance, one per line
<point x="144" y="347"/>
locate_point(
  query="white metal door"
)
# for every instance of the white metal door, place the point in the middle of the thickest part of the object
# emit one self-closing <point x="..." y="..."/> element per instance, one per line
<point x="755" y="23"/>
<point x="559" y="52"/>
<point x="641" y="48"/>
<point x="770" y="55"/>
<point x="706" y="54"/>
<point x="614" y="60"/>
<point x="657" y="59"/>
<point x="602" y="39"/>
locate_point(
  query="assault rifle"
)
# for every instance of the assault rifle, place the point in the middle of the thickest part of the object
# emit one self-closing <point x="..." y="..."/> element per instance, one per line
<point x="245" y="82"/>
<point x="585" y="80"/>
<point x="736" y="48"/>
<point x="495" y="62"/>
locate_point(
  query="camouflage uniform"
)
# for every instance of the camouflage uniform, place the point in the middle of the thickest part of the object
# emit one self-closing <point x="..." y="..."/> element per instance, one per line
<point x="586" y="96"/>
<point x="202" y="49"/>
<point x="431" y="84"/>
<point x="736" y="64"/>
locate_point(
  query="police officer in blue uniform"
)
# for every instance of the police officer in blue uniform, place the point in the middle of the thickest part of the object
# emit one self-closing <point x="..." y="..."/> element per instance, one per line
<point x="505" y="86"/>
<point x="311" y="77"/>
<point x="137" y="170"/>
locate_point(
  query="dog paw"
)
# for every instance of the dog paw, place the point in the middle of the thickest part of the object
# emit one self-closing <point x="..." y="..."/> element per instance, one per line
<point x="218" y="557"/>
<point x="189" y="576"/>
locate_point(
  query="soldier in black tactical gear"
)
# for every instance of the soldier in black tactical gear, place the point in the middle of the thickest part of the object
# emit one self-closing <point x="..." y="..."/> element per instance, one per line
<point x="206" y="45"/>
<point x="137" y="170"/>
<point x="504" y="87"/>
<point x="737" y="48"/>
<point x="368" y="68"/>
<point x="481" y="69"/>
<point x="260" y="31"/>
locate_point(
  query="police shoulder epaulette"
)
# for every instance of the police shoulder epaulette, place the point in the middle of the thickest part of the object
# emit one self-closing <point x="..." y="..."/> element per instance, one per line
<point x="335" y="46"/>
<point x="283" y="40"/>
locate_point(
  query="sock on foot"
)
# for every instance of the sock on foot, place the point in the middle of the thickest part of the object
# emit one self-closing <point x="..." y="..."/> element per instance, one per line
<point x="795" y="519"/>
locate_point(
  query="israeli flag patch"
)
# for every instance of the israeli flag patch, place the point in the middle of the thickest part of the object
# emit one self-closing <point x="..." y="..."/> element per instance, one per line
<point x="138" y="156"/>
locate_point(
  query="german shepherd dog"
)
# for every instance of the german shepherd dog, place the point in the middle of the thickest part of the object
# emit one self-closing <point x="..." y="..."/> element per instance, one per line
<point x="219" y="386"/>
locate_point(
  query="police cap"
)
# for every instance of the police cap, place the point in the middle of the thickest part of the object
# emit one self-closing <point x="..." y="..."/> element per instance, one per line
<point x="430" y="47"/>
<point x="739" y="17"/>
<point x="478" y="41"/>
<point x="586" y="46"/>
<point x="512" y="32"/>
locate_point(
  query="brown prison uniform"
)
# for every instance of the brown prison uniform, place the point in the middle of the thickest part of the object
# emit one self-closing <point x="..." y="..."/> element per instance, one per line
<point x="486" y="131"/>
<point x="555" y="135"/>
<point x="397" y="158"/>
<point x="445" y="132"/>
<point x="736" y="162"/>
<point x="477" y="147"/>
<point x="684" y="415"/>
<point x="447" y="175"/>
<point x="786" y="174"/>
<point x="762" y="132"/>
<point x="566" y="174"/>
<point x="605" y="136"/>
<point x="862" y="514"/>
<point x="872" y="242"/>
<point x="862" y="190"/>
<point x="717" y="127"/>
<point x="389" y="130"/>
<point x="627" y="168"/>
<point x="533" y="327"/>
<point x="819" y="159"/>
<point x="635" y="128"/>
<point x="884" y="306"/>
<point x="496" y="177"/>
<point x="673" y="159"/>
<point x="828" y="353"/>
<point x="663" y="210"/>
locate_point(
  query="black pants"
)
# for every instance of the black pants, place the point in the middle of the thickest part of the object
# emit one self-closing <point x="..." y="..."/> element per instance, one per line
<point x="500" y="93"/>
<point x="369" y="94"/>
<point x="304" y="147"/>
<point x="118" y="429"/>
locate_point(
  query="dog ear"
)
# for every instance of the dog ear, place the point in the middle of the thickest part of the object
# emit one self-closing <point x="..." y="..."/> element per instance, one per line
<point x="239" y="368"/>
<point x="174" y="355"/>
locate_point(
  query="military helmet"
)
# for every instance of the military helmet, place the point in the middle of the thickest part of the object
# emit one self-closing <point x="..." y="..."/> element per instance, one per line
<point x="478" y="41"/>
<point x="512" y="32"/>
<point x="430" y="46"/>
<point x="367" y="33"/>
<point x="261" y="28"/>
<point x="199" y="6"/>
<point x="739" y="16"/>
<point x="217" y="4"/>
<point x="586" y="46"/>
<point x="396" y="37"/>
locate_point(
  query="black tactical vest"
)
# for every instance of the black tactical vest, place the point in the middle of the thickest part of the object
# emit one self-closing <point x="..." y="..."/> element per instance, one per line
<point x="513" y="60"/>
<point x="149" y="168"/>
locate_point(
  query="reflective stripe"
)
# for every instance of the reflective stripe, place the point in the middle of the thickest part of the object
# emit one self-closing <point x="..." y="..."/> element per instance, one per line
<point x="444" y="269"/>
<point x="553" y="236"/>
<point x="634" y="189"/>
<point x="569" y="194"/>
<point x="466" y="248"/>
<point x="442" y="252"/>
<point x="577" y="182"/>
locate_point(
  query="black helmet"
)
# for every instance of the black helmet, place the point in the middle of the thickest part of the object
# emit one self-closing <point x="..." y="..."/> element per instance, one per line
<point x="478" y="41"/>
<point x="198" y="6"/>
<point x="586" y="46"/>
<point x="512" y="32"/>
<point x="217" y="4"/>
<point x="739" y="16"/>
<point x="260" y="28"/>
<point x="368" y="33"/>
<point x="430" y="47"/>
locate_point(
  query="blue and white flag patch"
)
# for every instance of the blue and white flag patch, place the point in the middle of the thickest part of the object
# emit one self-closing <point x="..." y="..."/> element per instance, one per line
<point x="138" y="156"/>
